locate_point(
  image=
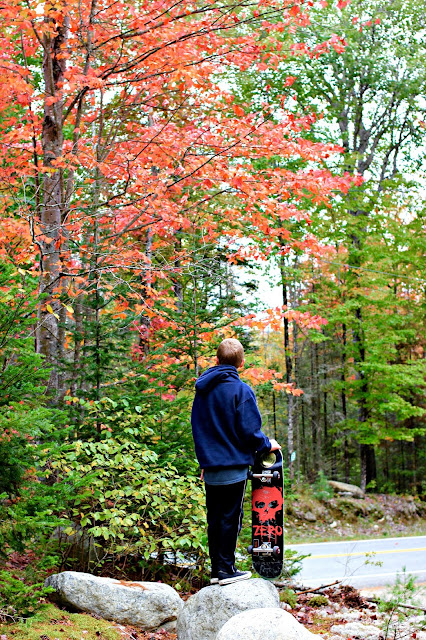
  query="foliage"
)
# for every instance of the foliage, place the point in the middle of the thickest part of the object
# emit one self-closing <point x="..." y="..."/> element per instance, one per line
<point x="169" y="178"/>
<point x="289" y="597"/>
<point x="318" y="600"/>
<point x="366" y="86"/>
<point x="321" y="488"/>
<point x="22" y="372"/>
<point x="19" y="600"/>
<point x="21" y="425"/>
<point x="292" y="563"/>
<point x="129" y="503"/>
<point x="404" y="591"/>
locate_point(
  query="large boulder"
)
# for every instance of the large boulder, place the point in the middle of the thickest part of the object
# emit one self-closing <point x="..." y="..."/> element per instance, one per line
<point x="267" y="624"/>
<point x="148" y="605"/>
<point x="344" y="489"/>
<point x="208" y="610"/>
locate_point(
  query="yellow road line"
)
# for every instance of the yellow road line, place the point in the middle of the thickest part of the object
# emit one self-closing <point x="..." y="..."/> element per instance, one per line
<point x="363" y="553"/>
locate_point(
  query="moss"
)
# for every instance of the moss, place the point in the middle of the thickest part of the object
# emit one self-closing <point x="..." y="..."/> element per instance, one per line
<point x="318" y="601"/>
<point x="288" y="596"/>
<point x="54" y="623"/>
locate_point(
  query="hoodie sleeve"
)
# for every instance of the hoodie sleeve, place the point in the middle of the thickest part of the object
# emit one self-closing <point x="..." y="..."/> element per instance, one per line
<point x="249" y="426"/>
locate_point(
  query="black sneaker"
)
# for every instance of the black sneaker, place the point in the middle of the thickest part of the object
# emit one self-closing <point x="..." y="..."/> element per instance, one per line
<point x="229" y="578"/>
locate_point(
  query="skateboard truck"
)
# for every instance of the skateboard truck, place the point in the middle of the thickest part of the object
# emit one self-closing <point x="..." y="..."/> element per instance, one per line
<point x="265" y="477"/>
<point x="265" y="549"/>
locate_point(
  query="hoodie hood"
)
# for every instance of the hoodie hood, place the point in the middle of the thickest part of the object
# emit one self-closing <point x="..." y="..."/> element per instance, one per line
<point x="215" y="375"/>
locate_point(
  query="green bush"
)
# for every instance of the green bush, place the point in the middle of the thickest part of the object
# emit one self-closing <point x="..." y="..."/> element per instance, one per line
<point x="21" y="427"/>
<point x="318" y="600"/>
<point x="292" y="563"/>
<point x="321" y="488"/>
<point x="129" y="505"/>
<point x="19" y="600"/>
<point x="289" y="597"/>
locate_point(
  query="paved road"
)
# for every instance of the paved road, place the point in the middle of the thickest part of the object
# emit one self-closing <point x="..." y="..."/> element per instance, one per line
<point x="354" y="561"/>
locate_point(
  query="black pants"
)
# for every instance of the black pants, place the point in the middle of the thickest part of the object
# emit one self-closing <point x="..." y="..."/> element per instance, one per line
<point x="224" y="518"/>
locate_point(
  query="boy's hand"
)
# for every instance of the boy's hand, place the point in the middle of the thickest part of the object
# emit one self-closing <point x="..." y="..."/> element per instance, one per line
<point x="274" y="445"/>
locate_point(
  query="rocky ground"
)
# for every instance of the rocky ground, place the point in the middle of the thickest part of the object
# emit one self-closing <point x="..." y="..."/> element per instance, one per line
<point x="343" y="612"/>
<point x="339" y="613"/>
<point x="336" y="613"/>
<point x="312" y="520"/>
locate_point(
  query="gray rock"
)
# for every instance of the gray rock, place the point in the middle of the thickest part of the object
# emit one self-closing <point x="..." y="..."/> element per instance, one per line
<point x="357" y="630"/>
<point x="351" y="616"/>
<point x="346" y="489"/>
<point x="208" y="610"/>
<point x="148" y="605"/>
<point x="305" y="515"/>
<point x="267" y="624"/>
<point x="310" y="517"/>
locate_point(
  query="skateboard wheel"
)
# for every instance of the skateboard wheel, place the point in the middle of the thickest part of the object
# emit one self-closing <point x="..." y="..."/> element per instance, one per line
<point x="276" y="475"/>
<point x="250" y="475"/>
<point x="276" y="551"/>
<point x="250" y="548"/>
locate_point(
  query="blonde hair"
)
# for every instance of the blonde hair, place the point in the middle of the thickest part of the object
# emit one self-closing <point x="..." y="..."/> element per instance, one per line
<point x="230" y="351"/>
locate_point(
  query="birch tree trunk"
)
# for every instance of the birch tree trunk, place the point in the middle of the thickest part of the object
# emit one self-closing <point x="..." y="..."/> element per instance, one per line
<point x="52" y="204"/>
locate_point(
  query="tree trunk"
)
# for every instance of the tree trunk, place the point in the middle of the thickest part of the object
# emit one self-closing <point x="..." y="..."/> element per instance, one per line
<point x="288" y="375"/>
<point x="367" y="456"/>
<point x="344" y="405"/>
<point x="54" y="64"/>
<point x="274" y="414"/>
<point x="296" y="401"/>
<point x="368" y="465"/>
<point x="303" y="447"/>
<point x="314" y="427"/>
<point x="78" y="339"/>
<point x="325" y="400"/>
<point x="317" y="410"/>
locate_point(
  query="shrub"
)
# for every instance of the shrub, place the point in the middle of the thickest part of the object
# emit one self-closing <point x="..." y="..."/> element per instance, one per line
<point x="131" y="506"/>
<point x="405" y="591"/>
<point x="19" y="600"/>
<point x="321" y="488"/>
<point x="292" y="563"/>
<point x="318" y="601"/>
<point x="289" y="597"/>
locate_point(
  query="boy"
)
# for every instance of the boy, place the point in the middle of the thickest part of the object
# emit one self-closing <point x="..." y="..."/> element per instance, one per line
<point x="226" y="426"/>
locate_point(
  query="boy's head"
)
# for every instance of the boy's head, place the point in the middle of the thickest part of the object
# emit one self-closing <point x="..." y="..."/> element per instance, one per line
<point x="230" y="351"/>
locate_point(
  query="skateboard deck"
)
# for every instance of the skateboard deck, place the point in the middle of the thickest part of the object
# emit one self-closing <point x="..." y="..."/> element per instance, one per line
<point x="267" y="547"/>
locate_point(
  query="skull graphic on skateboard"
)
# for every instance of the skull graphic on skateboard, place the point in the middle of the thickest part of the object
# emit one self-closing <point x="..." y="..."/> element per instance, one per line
<point x="267" y="547"/>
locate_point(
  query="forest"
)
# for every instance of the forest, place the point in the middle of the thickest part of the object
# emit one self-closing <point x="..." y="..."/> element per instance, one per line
<point x="174" y="172"/>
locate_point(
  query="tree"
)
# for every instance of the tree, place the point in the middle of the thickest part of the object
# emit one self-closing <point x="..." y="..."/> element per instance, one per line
<point x="119" y="137"/>
<point x="371" y="94"/>
<point x="360" y="67"/>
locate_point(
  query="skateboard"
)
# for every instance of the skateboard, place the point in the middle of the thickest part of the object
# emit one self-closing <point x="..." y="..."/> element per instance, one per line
<point x="267" y="547"/>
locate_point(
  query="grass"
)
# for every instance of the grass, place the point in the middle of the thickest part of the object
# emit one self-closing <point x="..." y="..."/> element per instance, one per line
<point x="54" y="624"/>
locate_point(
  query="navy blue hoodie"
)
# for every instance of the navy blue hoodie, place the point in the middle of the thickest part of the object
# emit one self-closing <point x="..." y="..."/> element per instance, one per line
<point x="226" y="423"/>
